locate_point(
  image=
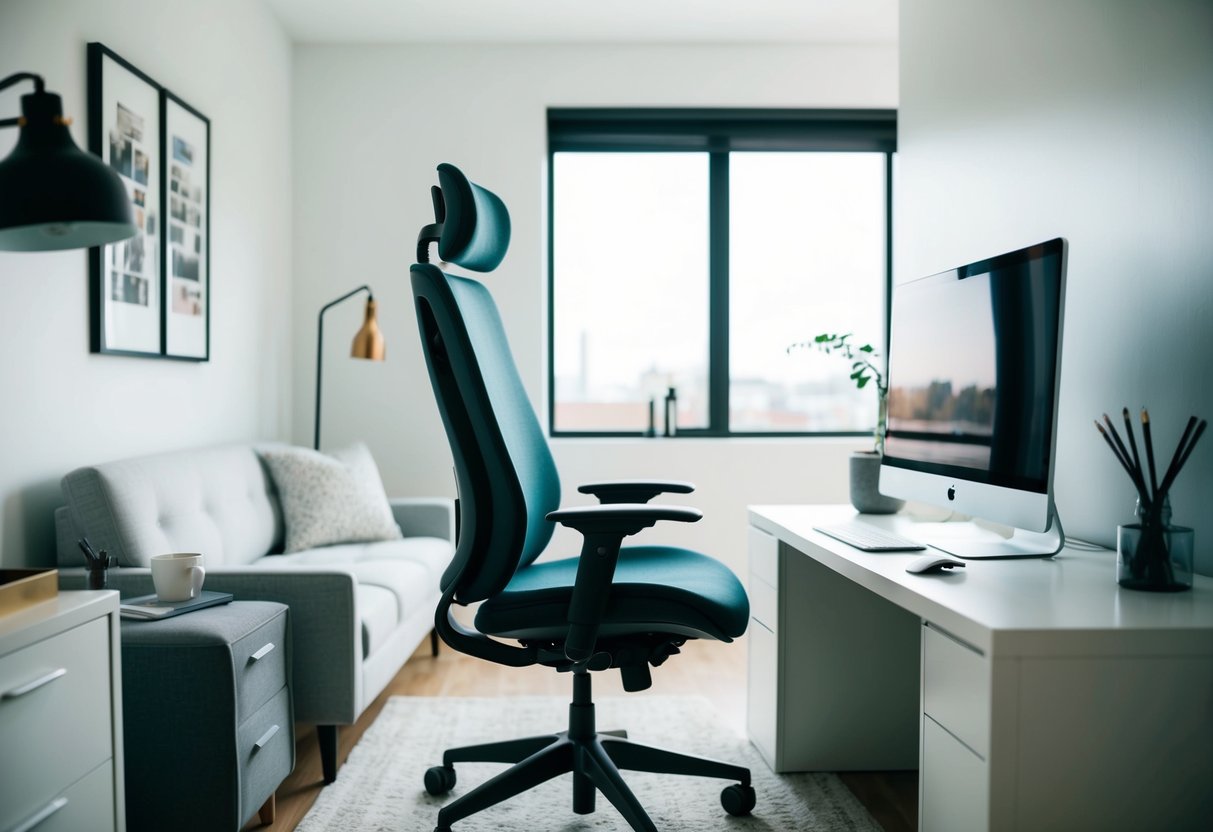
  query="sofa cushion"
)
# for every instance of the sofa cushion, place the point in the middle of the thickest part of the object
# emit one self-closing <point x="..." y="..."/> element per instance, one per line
<point x="330" y="499"/>
<point x="218" y="501"/>
<point x="431" y="553"/>
<point x="402" y="574"/>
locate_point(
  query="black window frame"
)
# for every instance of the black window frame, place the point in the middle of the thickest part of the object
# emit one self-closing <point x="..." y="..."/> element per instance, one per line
<point x="716" y="131"/>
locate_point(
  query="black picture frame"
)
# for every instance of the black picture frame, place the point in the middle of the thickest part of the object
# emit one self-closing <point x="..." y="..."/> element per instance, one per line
<point x="125" y="278"/>
<point x="186" y="243"/>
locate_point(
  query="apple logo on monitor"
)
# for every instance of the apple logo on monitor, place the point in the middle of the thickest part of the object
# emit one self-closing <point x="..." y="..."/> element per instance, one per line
<point x="951" y="492"/>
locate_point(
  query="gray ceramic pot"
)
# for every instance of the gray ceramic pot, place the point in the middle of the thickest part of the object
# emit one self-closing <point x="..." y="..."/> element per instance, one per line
<point x="865" y="477"/>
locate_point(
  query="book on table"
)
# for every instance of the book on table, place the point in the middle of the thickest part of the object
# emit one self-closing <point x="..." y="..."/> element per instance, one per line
<point x="150" y="608"/>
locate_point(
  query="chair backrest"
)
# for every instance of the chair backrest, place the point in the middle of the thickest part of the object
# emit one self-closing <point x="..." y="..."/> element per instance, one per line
<point x="506" y="477"/>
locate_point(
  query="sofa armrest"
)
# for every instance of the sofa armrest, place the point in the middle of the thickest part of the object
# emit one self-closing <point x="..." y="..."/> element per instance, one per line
<point x="425" y="516"/>
<point x="326" y="630"/>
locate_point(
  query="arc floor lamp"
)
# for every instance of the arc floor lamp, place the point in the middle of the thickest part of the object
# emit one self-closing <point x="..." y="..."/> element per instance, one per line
<point x="368" y="342"/>
<point x="53" y="195"/>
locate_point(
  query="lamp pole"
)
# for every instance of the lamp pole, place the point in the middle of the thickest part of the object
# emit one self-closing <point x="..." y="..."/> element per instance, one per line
<point x="320" y="348"/>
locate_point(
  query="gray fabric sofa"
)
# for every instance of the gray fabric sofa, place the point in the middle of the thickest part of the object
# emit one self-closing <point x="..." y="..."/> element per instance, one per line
<point x="358" y="611"/>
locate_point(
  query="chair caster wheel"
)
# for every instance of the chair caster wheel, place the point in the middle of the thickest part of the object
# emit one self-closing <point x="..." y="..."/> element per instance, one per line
<point x="738" y="800"/>
<point x="439" y="780"/>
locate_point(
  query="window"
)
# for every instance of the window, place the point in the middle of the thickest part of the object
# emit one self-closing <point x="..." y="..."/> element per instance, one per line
<point x="690" y="248"/>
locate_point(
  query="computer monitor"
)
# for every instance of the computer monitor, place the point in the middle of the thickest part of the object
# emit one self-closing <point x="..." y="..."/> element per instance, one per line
<point x="974" y="366"/>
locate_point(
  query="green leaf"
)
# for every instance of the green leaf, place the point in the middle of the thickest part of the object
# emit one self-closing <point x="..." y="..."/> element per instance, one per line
<point x="860" y="382"/>
<point x="867" y="348"/>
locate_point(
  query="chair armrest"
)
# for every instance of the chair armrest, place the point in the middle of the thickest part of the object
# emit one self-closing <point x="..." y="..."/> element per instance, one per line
<point x="633" y="491"/>
<point x="326" y="630"/>
<point x="425" y="516"/>
<point x="603" y="528"/>
<point x="621" y="519"/>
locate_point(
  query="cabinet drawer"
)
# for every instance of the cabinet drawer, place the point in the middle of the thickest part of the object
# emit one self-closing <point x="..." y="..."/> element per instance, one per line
<point x="266" y="743"/>
<point x="260" y="665"/>
<point x="86" y="804"/>
<point x="764" y="602"/>
<point x="762" y="692"/>
<point x="55" y="701"/>
<point x="954" y="787"/>
<point x="764" y="555"/>
<point x="956" y="689"/>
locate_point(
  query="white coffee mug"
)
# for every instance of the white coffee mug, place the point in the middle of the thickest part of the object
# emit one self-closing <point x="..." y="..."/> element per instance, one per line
<point x="178" y="576"/>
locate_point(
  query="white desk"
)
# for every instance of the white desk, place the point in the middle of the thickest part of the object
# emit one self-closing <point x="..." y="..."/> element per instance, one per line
<point x="1030" y="694"/>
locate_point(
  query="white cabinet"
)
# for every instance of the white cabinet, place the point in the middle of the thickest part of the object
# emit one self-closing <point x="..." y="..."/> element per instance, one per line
<point x="60" y="715"/>
<point x="762" y="695"/>
<point x="849" y="699"/>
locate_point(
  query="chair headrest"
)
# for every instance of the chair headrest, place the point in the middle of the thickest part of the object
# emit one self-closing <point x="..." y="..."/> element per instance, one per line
<point x="476" y="229"/>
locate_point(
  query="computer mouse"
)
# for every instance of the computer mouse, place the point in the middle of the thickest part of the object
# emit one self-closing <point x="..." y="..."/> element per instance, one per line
<point x="932" y="564"/>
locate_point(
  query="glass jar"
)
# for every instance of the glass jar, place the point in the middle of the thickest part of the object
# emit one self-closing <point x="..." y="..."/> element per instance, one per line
<point x="1152" y="554"/>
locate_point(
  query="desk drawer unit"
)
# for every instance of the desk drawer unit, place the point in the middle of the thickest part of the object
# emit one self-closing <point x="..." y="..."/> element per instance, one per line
<point x="762" y="688"/>
<point x="956" y="689"/>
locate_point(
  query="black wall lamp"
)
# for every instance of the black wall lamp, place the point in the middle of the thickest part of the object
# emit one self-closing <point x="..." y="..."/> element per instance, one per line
<point x="53" y="195"/>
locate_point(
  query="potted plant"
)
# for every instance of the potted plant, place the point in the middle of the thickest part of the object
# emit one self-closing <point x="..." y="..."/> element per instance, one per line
<point x="865" y="465"/>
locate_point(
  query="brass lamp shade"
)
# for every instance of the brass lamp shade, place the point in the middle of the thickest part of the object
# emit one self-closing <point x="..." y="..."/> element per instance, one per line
<point x="368" y="342"/>
<point x="52" y="194"/>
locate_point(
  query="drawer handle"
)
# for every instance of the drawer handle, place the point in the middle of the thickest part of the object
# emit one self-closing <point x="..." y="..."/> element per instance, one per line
<point x="33" y="684"/>
<point x="265" y="738"/>
<point x="42" y="814"/>
<point x="262" y="653"/>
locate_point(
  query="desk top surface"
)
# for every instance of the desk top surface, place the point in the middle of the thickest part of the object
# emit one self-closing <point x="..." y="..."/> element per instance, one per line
<point x="1037" y="606"/>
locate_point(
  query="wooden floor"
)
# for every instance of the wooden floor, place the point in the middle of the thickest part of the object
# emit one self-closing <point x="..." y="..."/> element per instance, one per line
<point x="710" y="669"/>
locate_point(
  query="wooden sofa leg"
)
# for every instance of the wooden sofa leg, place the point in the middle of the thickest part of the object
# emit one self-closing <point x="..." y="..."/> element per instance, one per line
<point x="433" y="642"/>
<point x="327" y="734"/>
<point x="267" y="810"/>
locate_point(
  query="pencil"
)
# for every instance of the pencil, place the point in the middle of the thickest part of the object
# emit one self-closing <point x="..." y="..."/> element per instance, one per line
<point x="1133" y="444"/>
<point x="1123" y="462"/>
<point x="1149" y="442"/>
<point x="1134" y="473"/>
<point x="1187" y="452"/>
<point x="1179" y="449"/>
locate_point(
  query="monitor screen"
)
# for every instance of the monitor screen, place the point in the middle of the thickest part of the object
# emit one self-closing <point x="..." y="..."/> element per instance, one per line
<point x="973" y="371"/>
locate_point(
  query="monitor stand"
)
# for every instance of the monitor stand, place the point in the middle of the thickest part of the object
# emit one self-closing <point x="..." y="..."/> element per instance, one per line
<point x="972" y="541"/>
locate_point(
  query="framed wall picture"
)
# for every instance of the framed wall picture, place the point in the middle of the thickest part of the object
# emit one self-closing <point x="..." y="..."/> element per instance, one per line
<point x="125" y="294"/>
<point x="187" y="198"/>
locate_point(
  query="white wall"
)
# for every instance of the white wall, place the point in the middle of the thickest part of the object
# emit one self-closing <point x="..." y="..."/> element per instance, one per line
<point x="1089" y="120"/>
<point x="61" y="407"/>
<point x="371" y="124"/>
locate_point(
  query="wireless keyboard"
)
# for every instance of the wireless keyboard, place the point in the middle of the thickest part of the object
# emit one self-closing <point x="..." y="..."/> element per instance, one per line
<point x="868" y="538"/>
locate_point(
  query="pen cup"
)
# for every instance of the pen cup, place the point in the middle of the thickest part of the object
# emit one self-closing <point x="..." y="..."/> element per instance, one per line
<point x="98" y="577"/>
<point x="1152" y="554"/>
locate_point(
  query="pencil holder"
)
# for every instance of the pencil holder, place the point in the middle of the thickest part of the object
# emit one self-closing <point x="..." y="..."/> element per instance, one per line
<point x="1152" y="554"/>
<point x="98" y="577"/>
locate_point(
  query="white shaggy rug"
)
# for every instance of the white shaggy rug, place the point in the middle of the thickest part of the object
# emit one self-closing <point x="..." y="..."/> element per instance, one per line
<point x="380" y="786"/>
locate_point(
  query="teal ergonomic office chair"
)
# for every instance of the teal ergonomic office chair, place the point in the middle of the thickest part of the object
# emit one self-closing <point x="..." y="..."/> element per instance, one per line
<point x="612" y="607"/>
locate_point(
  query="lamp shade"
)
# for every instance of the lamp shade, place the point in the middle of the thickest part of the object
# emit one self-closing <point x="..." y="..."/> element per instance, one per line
<point x="53" y="195"/>
<point x="368" y="342"/>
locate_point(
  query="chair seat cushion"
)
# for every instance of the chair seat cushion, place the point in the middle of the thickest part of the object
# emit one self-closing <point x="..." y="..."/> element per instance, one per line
<point x="657" y="589"/>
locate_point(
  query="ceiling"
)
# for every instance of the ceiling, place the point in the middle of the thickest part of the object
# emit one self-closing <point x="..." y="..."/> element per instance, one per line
<point x="589" y="21"/>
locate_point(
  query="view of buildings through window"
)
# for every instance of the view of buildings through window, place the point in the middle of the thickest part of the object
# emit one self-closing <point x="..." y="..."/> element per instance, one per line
<point x="632" y="289"/>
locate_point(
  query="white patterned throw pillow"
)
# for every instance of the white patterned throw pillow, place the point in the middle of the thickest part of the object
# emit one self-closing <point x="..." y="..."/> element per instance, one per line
<point x="329" y="499"/>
